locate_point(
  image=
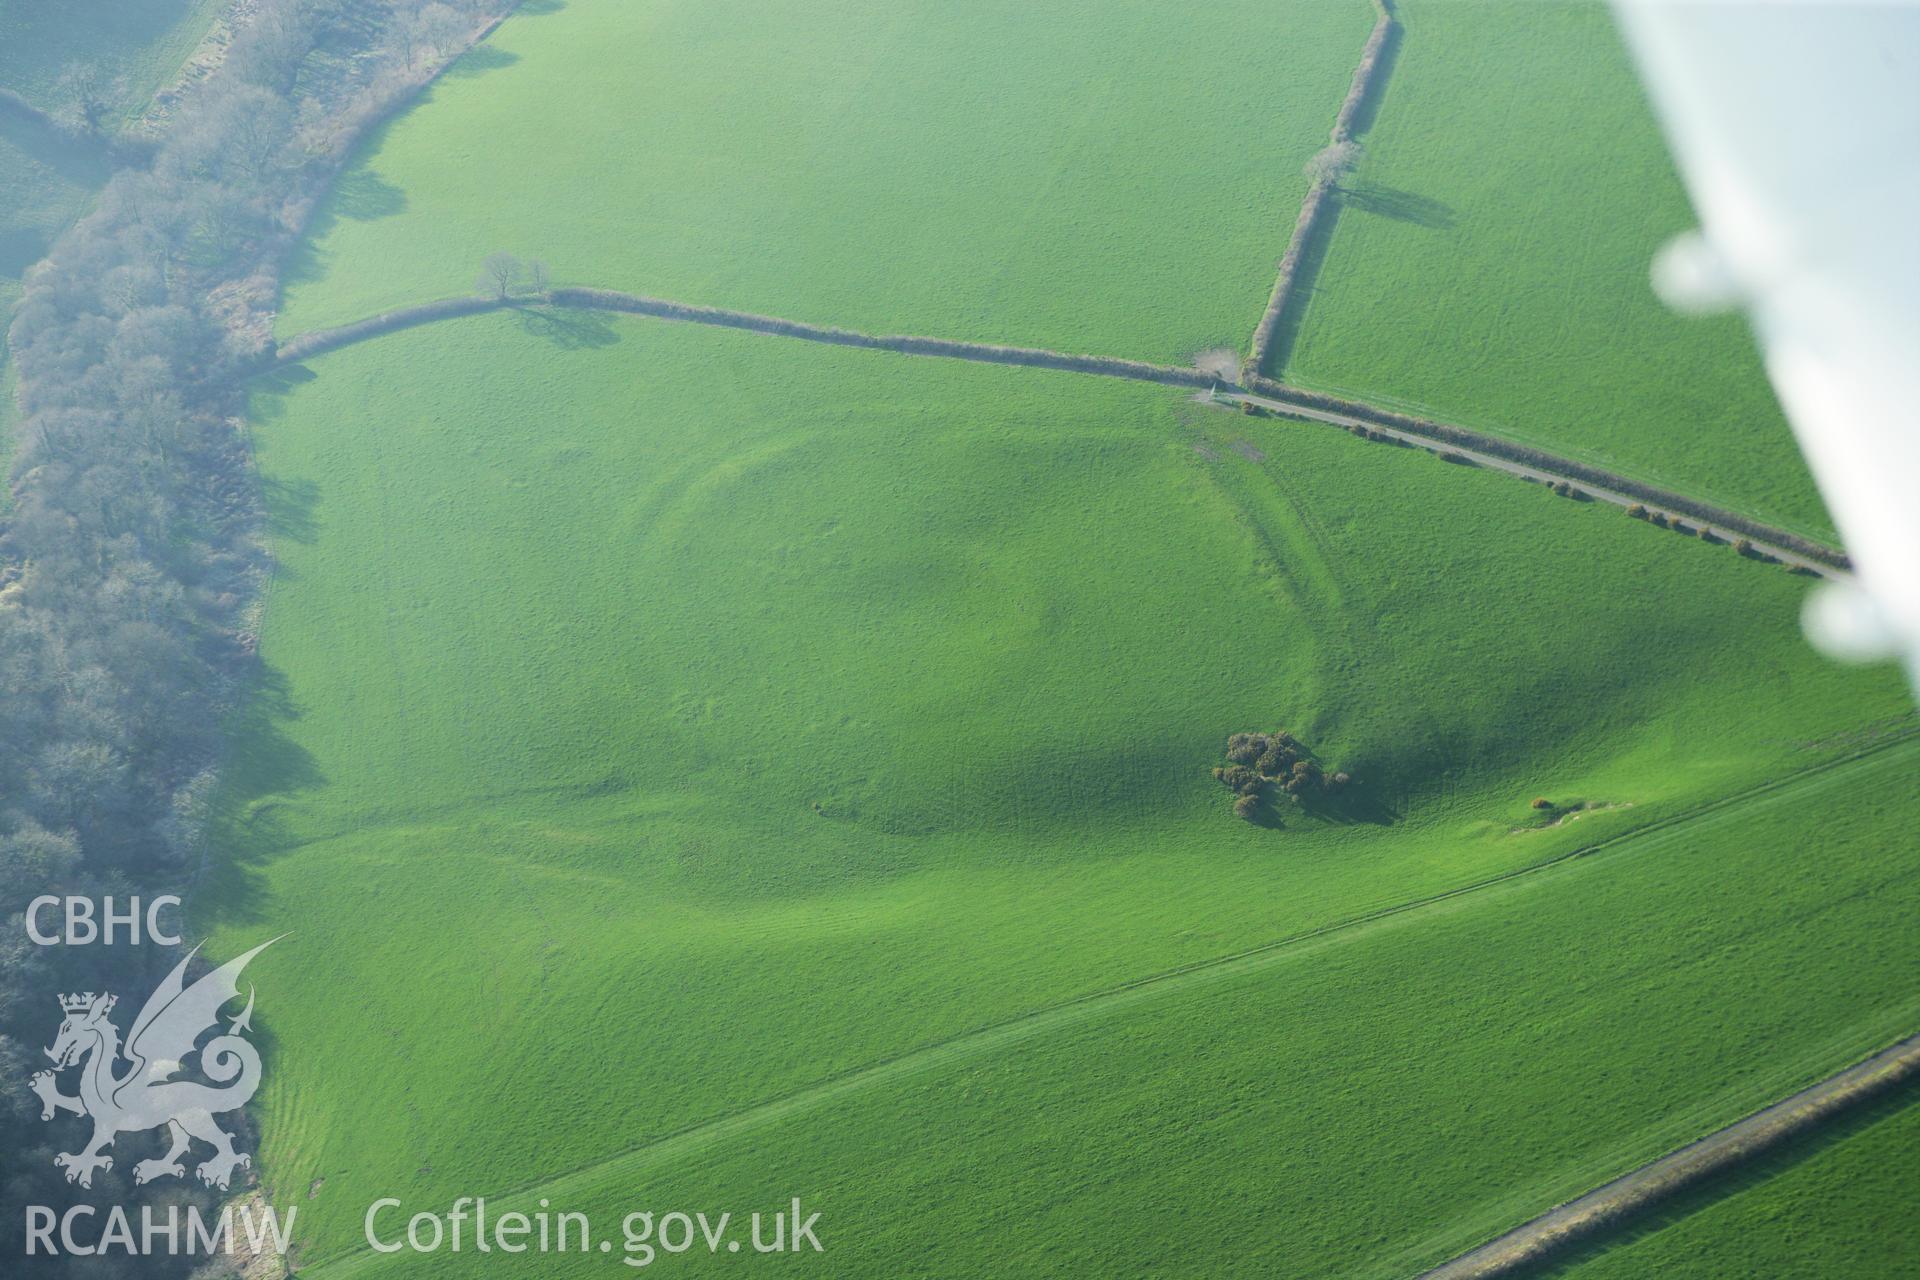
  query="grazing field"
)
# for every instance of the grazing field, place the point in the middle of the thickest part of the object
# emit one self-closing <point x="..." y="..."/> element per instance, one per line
<point x="1846" y="1209"/>
<point x="1117" y="178"/>
<point x="1364" y="1104"/>
<point x="1489" y="265"/>
<point x="644" y="743"/>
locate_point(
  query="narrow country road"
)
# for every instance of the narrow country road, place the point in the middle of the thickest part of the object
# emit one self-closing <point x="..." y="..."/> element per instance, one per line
<point x="1292" y="410"/>
<point x="1770" y="541"/>
<point x="1534" y="1241"/>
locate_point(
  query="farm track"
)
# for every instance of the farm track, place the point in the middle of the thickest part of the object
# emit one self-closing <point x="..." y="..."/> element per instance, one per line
<point x="1489" y="451"/>
<point x="626" y="1167"/>
<point x="1580" y="1219"/>
<point x="1592" y="489"/>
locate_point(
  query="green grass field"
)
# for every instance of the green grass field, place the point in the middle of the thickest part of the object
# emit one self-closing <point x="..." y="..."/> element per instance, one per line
<point x="1114" y="177"/>
<point x="698" y="768"/>
<point x="1491" y="265"/>
<point x="575" y="635"/>
<point x="1846" y="1209"/>
<point x="1363" y="1106"/>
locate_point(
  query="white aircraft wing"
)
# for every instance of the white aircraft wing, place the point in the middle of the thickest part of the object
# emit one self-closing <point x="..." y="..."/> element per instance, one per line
<point x="1796" y="125"/>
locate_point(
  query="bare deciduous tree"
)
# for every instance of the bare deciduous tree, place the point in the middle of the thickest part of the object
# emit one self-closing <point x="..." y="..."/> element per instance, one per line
<point x="1330" y="164"/>
<point x="537" y="277"/>
<point x="499" y="274"/>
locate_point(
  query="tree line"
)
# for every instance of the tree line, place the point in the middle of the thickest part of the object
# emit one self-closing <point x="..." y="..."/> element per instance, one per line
<point x="132" y="557"/>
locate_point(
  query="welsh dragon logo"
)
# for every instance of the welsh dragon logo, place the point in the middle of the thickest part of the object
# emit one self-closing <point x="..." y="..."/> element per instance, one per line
<point x="147" y="1095"/>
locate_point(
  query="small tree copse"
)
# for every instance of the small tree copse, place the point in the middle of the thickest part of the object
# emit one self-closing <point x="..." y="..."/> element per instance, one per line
<point x="1258" y="761"/>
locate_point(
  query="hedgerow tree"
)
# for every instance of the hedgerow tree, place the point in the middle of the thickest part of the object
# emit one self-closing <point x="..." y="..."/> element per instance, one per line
<point x="499" y="274"/>
<point x="1330" y="164"/>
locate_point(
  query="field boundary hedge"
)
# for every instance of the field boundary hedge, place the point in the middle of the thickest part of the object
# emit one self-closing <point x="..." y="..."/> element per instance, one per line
<point x="1571" y="469"/>
<point x="323" y="340"/>
<point x="320" y="341"/>
<point x="1681" y="1170"/>
<point x="1368" y="77"/>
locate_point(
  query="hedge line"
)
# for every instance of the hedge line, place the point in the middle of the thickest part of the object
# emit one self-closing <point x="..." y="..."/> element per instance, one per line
<point x="319" y="341"/>
<point x="1550" y="1234"/>
<point x="312" y="344"/>
<point x="1527" y="455"/>
<point x="1365" y="82"/>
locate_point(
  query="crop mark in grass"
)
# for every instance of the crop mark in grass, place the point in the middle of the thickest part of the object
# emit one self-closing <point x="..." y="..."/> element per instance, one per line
<point x="1570" y="815"/>
<point x="569" y="1185"/>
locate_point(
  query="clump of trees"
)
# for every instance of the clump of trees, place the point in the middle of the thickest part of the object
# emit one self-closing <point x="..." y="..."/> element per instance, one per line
<point x="1743" y="547"/>
<point x="131" y="553"/>
<point x="1261" y="765"/>
<point x="503" y="276"/>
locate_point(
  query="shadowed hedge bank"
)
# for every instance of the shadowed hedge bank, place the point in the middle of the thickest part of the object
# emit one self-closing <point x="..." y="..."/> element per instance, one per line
<point x="320" y="341"/>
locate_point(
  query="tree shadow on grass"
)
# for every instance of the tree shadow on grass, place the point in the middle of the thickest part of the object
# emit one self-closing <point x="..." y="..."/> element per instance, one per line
<point x="263" y="770"/>
<point x="481" y="59"/>
<point x="289" y="506"/>
<point x="1401" y="206"/>
<point x="365" y="196"/>
<point x="278" y="382"/>
<point x="78" y="159"/>
<point x="567" y="329"/>
<point x="537" y="7"/>
<point x="1354" y="804"/>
